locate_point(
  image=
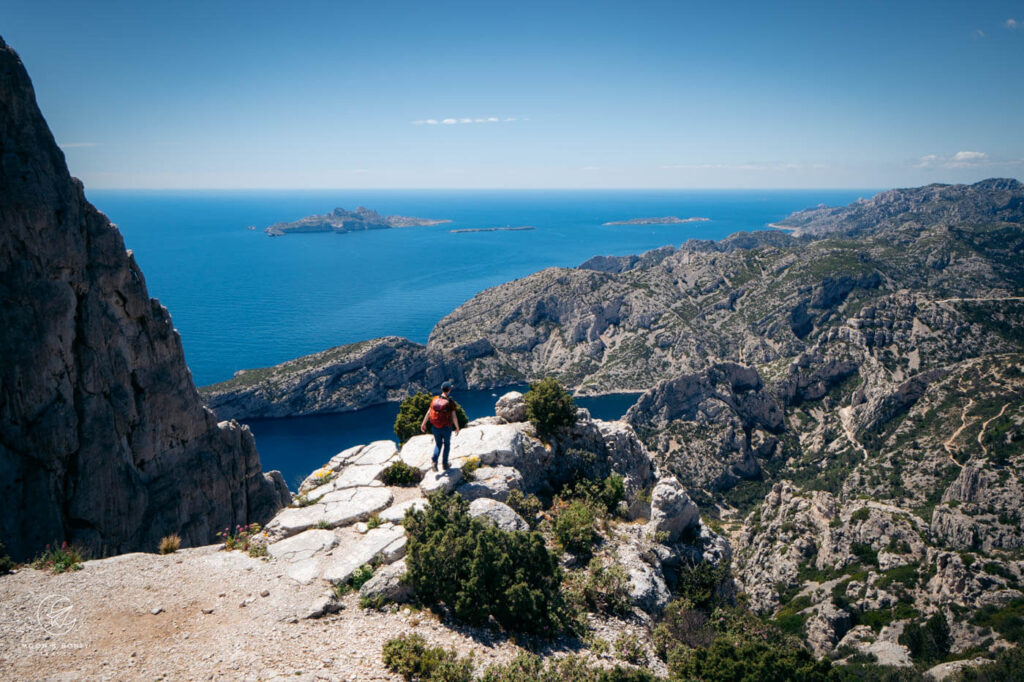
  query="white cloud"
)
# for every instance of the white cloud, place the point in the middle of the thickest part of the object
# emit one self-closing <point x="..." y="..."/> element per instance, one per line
<point x="465" y="120"/>
<point x="962" y="159"/>
<point x="1010" y="23"/>
<point x="76" y="145"/>
<point x="979" y="33"/>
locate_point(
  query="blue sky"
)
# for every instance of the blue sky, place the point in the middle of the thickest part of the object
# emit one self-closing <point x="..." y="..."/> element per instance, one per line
<point x="542" y="94"/>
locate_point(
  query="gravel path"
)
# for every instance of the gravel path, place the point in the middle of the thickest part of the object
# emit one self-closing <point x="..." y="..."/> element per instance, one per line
<point x="199" y="614"/>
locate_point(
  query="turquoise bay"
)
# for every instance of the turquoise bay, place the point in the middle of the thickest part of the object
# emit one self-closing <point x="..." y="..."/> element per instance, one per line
<point x="241" y="299"/>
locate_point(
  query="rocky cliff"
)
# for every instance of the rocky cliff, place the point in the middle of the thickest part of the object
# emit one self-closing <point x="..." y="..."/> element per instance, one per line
<point x="847" y="401"/>
<point x="104" y="441"/>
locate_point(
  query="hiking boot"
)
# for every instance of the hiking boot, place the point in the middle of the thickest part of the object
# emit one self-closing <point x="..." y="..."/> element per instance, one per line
<point x="444" y="466"/>
<point x="433" y="465"/>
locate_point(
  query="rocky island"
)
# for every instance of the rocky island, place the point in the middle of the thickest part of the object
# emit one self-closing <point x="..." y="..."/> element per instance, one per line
<point x="667" y="220"/>
<point x="493" y="229"/>
<point x="340" y="221"/>
<point x="845" y="402"/>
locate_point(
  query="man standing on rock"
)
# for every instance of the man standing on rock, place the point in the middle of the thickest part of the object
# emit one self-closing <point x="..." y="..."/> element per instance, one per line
<point x="442" y="418"/>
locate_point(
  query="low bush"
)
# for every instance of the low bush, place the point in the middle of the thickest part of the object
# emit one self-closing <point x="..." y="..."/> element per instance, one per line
<point x="603" y="495"/>
<point x="629" y="649"/>
<point x="1008" y="667"/>
<point x="249" y="538"/>
<point x="410" y="657"/>
<point x="1007" y="620"/>
<point x="728" y="660"/>
<point x="374" y="521"/>
<point x="601" y="587"/>
<point x="682" y="625"/>
<point x="359" y="577"/>
<point x="930" y="642"/>
<point x="169" y="544"/>
<point x="703" y="584"/>
<point x="59" y="559"/>
<point x="527" y="506"/>
<point x="411" y="412"/>
<point x="6" y="565"/>
<point x="530" y="668"/>
<point x="481" y="571"/>
<point x="401" y="474"/>
<point x="470" y="466"/>
<point x="574" y="527"/>
<point x="549" y="407"/>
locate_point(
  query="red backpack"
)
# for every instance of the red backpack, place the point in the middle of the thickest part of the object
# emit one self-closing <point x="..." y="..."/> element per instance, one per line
<point x="440" y="413"/>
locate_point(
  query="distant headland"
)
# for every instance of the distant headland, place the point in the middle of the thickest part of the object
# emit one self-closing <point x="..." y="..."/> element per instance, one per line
<point x="493" y="229"/>
<point x="667" y="220"/>
<point x="339" y="220"/>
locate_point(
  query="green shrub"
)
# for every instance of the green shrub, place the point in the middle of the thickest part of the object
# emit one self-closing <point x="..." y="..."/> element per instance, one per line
<point x="1008" y="667"/>
<point x="604" y="495"/>
<point x="411" y="412"/>
<point x="857" y="671"/>
<point x="747" y="661"/>
<point x="481" y="571"/>
<point x="549" y="406"/>
<point x="928" y="643"/>
<point x="682" y="625"/>
<point x="1007" y="620"/>
<point x="59" y="559"/>
<point x="861" y="514"/>
<point x="410" y="657"/>
<point x="574" y="527"/>
<point x="6" y="565"/>
<point x="864" y="553"/>
<point x="358" y="578"/>
<point x="527" y="506"/>
<point x="530" y="668"/>
<point x="401" y="474"/>
<point x="374" y="521"/>
<point x="702" y="583"/>
<point x="629" y="649"/>
<point x="600" y="588"/>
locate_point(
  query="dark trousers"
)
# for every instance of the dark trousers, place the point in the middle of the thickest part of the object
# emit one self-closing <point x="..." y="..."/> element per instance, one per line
<point x="442" y="440"/>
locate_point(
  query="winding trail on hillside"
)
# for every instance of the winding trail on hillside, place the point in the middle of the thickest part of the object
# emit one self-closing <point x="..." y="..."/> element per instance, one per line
<point x="948" y="445"/>
<point x="981" y="434"/>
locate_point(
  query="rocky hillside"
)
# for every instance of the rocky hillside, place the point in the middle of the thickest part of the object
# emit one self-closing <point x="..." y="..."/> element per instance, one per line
<point x="847" y="400"/>
<point x="104" y="441"/>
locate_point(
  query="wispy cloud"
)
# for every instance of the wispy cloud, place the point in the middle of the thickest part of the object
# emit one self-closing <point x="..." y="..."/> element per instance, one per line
<point x="76" y="145"/>
<point x="466" y="120"/>
<point x="964" y="159"/>
<point x="979" y="33"/>
<point x="1011" y="23"/>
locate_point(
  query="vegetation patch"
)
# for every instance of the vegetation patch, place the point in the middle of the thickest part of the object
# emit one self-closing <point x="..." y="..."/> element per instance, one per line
<point x="411" y="412"/>
<point x="481" y="571"/>
<point x="6" y="565"/>
<point x="59" y="559"/>
<point x="401" y="474"/>
<point x="169" y="544"/>
<point x="549" y="406"/>
<point x="1007" y="620"/>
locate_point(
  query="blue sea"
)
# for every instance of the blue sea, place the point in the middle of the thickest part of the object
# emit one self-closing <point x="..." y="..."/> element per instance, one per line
<point x="241" y="299"/>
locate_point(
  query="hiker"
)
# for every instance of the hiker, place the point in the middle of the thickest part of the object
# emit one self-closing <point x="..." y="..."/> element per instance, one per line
<point x="442" y="417"/>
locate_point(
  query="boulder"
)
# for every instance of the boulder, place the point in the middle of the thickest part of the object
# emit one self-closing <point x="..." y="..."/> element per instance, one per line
<point x="386" y="585"/>
<point x="647" y="588"/>
<point x="493" y="482"/>
<point x="672" y="510"/>
<point x="498" y="513"/>
<point x="302" y="546"/>
<point x="386" y="542"/>
<point x="337" y="508"/>
<point x="396" y="512"/>
<point x="446" y="481"/>
<point x="511" y="407"/>
<point x="377" y="452"/>
<point x="826" y="627"/>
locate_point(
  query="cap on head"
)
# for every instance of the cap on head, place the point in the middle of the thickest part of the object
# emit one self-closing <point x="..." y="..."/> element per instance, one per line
<point x="446" y="386"/>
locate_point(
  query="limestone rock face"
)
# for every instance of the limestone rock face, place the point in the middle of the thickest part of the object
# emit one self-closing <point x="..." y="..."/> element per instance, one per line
<point x="511" y="407"/>
<point x="672" y="510"/>
<point x="498" y="513"/>
<point x="104" y="441"/>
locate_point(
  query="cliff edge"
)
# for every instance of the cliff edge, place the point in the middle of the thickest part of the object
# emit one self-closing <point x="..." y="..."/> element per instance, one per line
<point x="104" y="441"/>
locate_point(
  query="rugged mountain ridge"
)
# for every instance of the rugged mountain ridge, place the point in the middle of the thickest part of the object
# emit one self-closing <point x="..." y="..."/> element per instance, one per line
<point x="847" y="402"/>
<point x="104" y="441"/>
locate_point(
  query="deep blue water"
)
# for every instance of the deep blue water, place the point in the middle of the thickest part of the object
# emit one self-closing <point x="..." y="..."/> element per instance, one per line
<point x="241" y="299"/>
<point x="299" y="445"/>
